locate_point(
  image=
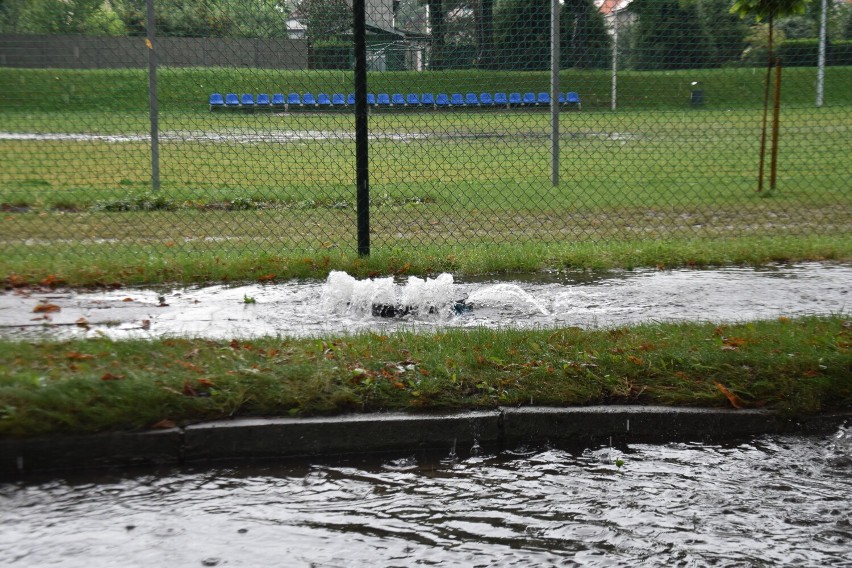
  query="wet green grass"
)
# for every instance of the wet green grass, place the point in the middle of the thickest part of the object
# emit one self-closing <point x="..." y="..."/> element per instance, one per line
<point x="86" y="264"/>
<point x="795" y="366"/>
<point x="628" y="177"/>
<point x="462" y="191"/>
<point x="189" y="88"/>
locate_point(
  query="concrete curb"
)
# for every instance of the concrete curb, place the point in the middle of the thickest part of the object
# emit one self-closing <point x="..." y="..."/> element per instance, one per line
<point x="253" y="439"/>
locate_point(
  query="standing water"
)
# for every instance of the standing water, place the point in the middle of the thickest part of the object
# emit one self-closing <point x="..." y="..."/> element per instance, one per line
<point x="770" y="501"/>
<point x="344" y="304"/>
<point x="775" y="500"/>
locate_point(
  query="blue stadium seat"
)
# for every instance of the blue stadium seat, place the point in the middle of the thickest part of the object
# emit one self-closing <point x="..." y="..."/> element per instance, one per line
<point x="500" y="99"/>
<point x="383" y="99"/>
<point x="486" y="100"/>
<point x="573" y="98"/>
<point x="338" y="100"/>
<point x="543" y="99"/>
<point x="471" y="99"/>
<point x="294" y="101"/>
<point x="308" y="100"/>
<point x="217" y="101"/>
<point x="514" y="99"/>
<point x="412" y="100"/>
<point x="371" y="99"/>
<point x="561" y="98"/>
<point x="232" y="100"/>
<point x="278" y="100"/>
<point x="350" y="100"/>
<point x="456" y="99"/>
<point x="323" y="100"/>
<point x="428" y="100"/>
<point x="398" y="100"/>
<point x="529" y="99"/>
<point x="442" y="100"/>
<point x="263" y="100"/>
<point x="247" y="102"/>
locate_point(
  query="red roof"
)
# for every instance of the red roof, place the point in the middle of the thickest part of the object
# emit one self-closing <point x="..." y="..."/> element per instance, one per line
<point x="607" y="7"/>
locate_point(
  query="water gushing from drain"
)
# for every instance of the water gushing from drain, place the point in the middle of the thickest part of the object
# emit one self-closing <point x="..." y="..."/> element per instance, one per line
<point x="432" y="298"/>
<point x="343" y="304"/>
<point x="344" y="294"/>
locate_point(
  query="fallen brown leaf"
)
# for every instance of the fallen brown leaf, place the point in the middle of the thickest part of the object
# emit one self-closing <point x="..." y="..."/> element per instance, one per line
<point x="735" y="402"/>
<point x="190" y="366"/>
<point x="636" y="360"/>
<point x="46" y="308"/>
<point x="188" y="390"/>
<point x="163" y="424"/>
<point x="51" y="281"/>
<point x="734" y="341"/>
<point x="77" y="356"/>
<point x="16" y="281"/>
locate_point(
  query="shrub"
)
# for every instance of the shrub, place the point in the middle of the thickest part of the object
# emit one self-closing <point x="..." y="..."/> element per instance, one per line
<point x="330" y="55"/>
<point x="840" y="52"/>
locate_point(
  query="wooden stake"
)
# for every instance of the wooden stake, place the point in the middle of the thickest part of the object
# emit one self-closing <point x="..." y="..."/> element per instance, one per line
<point x="773" y="168"/>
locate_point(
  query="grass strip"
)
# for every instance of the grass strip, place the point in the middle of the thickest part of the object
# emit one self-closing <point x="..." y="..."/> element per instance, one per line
<point x="111" y="264"/>
<point x="187" y="88"/>
<point x="794" y="366"/>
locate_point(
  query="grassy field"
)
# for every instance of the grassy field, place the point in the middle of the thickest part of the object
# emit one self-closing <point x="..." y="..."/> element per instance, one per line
<point x="796" y="366"/>
<point x="82" y="264"/>
<point x="271" y="197"/>
<point x="39" y="90"/>
<point x="279" y="188"/>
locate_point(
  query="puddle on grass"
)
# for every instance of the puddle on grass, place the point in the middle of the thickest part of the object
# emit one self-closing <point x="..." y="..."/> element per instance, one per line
<point x="580" y="299"/>
<point x="767" y="501"/>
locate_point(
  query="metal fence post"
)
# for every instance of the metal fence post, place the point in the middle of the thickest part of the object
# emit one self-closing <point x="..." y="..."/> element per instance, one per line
<point x="820" y="87"/>
<point x="362" y="162"/>
<point x="614" y="95"/>
<point x="554" y="91"/>
<point x="152" y="96"/>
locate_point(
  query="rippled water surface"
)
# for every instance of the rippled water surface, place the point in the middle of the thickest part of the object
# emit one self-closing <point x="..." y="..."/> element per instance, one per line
<point x="769" y="501"/>
<point x="542" y="300"/>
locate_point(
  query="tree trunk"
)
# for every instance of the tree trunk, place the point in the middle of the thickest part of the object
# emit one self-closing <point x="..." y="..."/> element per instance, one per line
<point x="485" y="33"/>
<point x="436" y="25"/>
<point x="767" y="82"/>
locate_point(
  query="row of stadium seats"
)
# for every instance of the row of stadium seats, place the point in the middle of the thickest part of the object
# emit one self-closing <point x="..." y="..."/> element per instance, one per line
<point x="308" y="101"/>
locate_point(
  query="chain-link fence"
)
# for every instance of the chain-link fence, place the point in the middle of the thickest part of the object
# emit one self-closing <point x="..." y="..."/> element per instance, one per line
<point x="658" y="124"/>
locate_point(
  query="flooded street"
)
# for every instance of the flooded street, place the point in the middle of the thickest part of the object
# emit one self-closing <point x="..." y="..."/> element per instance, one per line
<point x="764" y="501"/>
<point x="583" y="299"/>
<point x="769" y="501"/>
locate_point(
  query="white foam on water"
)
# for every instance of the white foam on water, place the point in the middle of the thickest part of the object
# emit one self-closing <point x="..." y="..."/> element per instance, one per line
<point x="506" y="295"/>
<point x="344" y="294"/>
<point x="428" y="295"/>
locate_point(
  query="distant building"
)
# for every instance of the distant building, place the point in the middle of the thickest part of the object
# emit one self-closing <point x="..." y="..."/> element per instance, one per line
<point x="616" y="13"/>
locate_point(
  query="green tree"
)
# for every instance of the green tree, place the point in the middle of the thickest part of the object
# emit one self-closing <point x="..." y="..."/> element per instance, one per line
<point x="208" y="18"/>
<point x="669" y="35"/>
<point x="485" y="33"/>
<point x="585" y="41"/>
<point x="769" y="10"/>
<point x="91" y="17"/>
<point x="522" y="33"/>
<point x="845" y="22"/>
<point x="325" y="20"/>
<point x="437" y="27"/>
<point x="726" y="32"/>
